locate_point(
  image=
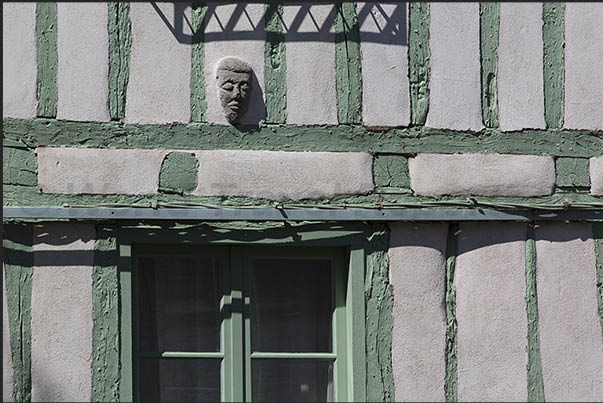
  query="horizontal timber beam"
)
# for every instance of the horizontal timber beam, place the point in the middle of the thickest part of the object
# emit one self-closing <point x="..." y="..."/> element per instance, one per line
<point x="294" y="214"/>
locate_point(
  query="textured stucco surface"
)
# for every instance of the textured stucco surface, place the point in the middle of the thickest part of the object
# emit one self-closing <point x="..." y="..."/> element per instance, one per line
<point x="61" y="321"/>
<point x="283" y="175"/>
<point x="454" y="83"/>
<point x="571" y="347"/>
<point x="520" y="70"/>
<point x="160" y="65"/>
<point x="491" y="312"/>
<point x="596" y="175"/>
<point x="19" y="67"/>
<point x="7" y="361"/>
<point x="83" y="54"/>
<point x="311" y="88"/>
<point x="98" y="171"/>
<point x="385" y="96"/>
<point x="251" y="51"/>
<point x="481" y="174"/>
<point x="584" y="66"/>
<point x="417" y="273"/>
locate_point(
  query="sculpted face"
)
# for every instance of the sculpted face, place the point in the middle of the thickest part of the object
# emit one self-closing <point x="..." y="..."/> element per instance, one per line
<point x="233" y="79"/>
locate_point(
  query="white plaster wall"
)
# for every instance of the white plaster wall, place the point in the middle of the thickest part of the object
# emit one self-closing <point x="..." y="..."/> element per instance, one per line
<point x="571" y="346"/>
<point x="311" y="82"/>
<point x="98" y="171"/>
<point x="520" y="79"/>
<point x="454" y="82"/>
<point x="61" y="312"/>
<point x="417" y="271"/>
<point x="221" y="45"/>
<point x="596" y="176"/>
<point x="481" y="174"/>
<point x="160" y="66"/>
<point x="584" y="66"/>
<point x="7" y="361"/>
<point x="385" y="88"/>
<point x="282" y="174"/>
<point x="83" y="61"/>
<point x="19" y="64"/>
<point x="491" y="312"/>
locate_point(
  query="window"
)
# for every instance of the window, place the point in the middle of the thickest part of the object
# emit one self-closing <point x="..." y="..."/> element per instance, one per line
<point x="236" y="323"/>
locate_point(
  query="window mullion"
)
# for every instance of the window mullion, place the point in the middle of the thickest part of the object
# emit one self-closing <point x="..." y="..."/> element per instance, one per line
<point x="236" y="344"/>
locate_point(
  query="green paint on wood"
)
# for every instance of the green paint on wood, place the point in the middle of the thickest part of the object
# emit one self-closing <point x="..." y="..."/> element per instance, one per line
<point x="390" y="170"/>
<point x="48" y="132"/>
<point x="489" y="26"/>
<point x="572" y="173"/>
<point x="46" y="28"/>
<point x="348" y="64"/>
<point x="598" y="236"/>
<point x="553" y="37"/>
<point x="418" y="61"/>
<point x="534" y="367"/>
<point x="18" y="266"/>
<point x="30" y="196"/>
<point x="20" y="166"/>
<point x="451" y="379"/>
<point x="379" y="305"/>
<point x="105" y="317"/>
<point x="198" y="101"/>
<point x="178" y="173"/>
<point x="120" y="42"/>
<point x="275" y="69"/>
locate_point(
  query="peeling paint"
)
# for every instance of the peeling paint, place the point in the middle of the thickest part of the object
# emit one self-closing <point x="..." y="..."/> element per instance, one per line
<point x="348" y="64"/>
<point x="275" y="69"/>
<point x="46" y="28"/>
<point x="48" y="132"/>
<point x="105" y="316"/>
<point x="120" y="42"/>
<point x="451" y="379"/>
<point x="178" y="173"/>
<point x="572" y="173"/>
<point x="418" y="61"/>
<point x="18" y="266"/>
<point x="534" y="368"/>
<point x="379" y="305"/>
<point x="553" y="36"/>
<point x="489" y="28"/>
<point x="598" y="237"/>
<point x="19" y="166"/>
<point x="198" y="100"/>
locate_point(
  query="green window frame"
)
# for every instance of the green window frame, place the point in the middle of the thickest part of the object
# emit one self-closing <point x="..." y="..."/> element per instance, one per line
<point x="346" y="248"/>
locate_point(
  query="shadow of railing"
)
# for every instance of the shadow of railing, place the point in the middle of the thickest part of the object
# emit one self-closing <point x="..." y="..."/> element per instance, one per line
<point x="387" y="19"/>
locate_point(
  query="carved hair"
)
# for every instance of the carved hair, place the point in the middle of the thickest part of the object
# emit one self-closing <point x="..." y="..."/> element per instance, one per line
<point x="233" y="64"/>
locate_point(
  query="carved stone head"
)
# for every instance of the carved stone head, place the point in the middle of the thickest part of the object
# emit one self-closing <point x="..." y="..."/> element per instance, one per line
<point x="233" y="79"/>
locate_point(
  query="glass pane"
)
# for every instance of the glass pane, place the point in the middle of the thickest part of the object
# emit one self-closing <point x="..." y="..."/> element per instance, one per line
<point x="291" y="306"/>
<point x="178" y="303"/>
<point x="179" y="380"/>
<point x="292" y="380"/>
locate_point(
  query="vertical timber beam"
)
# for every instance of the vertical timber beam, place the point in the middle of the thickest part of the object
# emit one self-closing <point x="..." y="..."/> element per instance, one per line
<point x="553" y="37"/>
<point x="598" y="237"/>
<point x="105" y="317"/>
<point x="489" y="14"/>
<point x="198" y="100"/>
<point x="348" y="64"/>
<point x="451" y="379"/>
<point x="120" y="42"/>
<point x="46" y="28"/>
<point x="275" y="68"/>
<point x="418" y="61"/>
<point x="18" y="266"/>
<point x="534" y="370"/>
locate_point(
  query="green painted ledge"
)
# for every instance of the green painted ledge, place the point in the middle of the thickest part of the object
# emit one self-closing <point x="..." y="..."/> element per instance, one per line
<point x="31" y="133"/>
